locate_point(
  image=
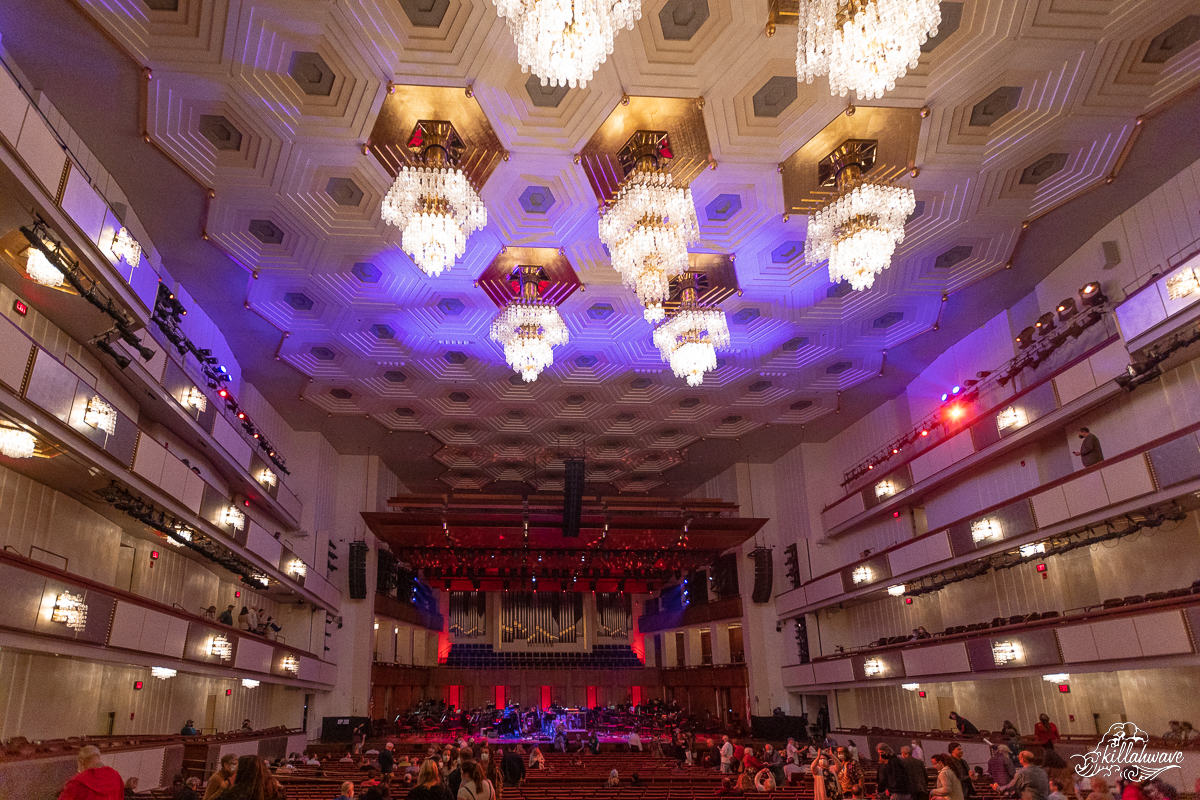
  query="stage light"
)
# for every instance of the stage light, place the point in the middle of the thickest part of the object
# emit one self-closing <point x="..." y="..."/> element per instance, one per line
<point x="1057" y="677"/>
<point x="956" y="390"/>
<point x="1091" y="295"/>
<point x="163" y="673"/>
<point x="1028" y="550"/>
<point x="250" y="683"/>
<point x="945" y="396"/>
<point x="1045" y="322"/>
<point x="912" y="687"/>
<point x="955" y="412"/>
<point x="1025" y="337"/>
<point x="1066" y="309"/>
<point x="924" y="433"/>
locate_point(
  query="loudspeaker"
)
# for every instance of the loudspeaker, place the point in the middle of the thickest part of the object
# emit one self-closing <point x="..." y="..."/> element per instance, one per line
<point x="358" y="570"/>
<point x="802" y="639"/>
<point x="572" y="497"/>
<point x="763" y="575"/>
<point x="725" y="576"/>
<point x="385" y="577"/>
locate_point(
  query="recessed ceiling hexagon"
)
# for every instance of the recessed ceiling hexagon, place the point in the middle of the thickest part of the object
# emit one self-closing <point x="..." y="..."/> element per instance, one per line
<point x="723" y="206"/>
<point x="1173" y="40"/>
<point x="344" y="191"/>
<point x="951" y="19"/>
<point x="792" y="345"/>
<point x="323" y="353"/>
<point x="759" y="386"/>
<point x="311" y="74"/>
<point x="265" y="231"/>
<point x="450" y="306"/>
<point x="536" y="199"/>
<point x="425" y="13"/>
<point x="787" y="252"/>
<point x="745" y="316"/>
<point x="887" y="320"/>
<point x="456" y="357"/>
<point x="640" y="383"/>
<point x="220" y="132"/>
<point x="544" y="96"/>
<point x="732" y="419"/>
<point x="689" y="402"/>
<point x="953" y="256"/>
<point x="299" y="301"/>
<point x="601" y="311"/>
<point x="381" y="331"/>
<point x="395" y="376"/>
<point x="575" y="400"/>
<point x="162" y="5"/>
<point x="365" y="272"/>
<point x="405" y="412"/>
<point x="680" y="19"/>
<point x="586" y="361"/>
<point x="1043" y="168"/>
<point x="838" y="367"/>
<point x="775" y="95"/>
<point x="991" y="108"/>
<point x="341" y="394"/>
<point x="838" y="290"/>
<point x="624" y="418"/>
<point x="800" y="405"/>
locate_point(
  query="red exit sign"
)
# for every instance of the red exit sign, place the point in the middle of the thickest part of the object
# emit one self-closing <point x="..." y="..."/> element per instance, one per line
<point x="20" y="307"/>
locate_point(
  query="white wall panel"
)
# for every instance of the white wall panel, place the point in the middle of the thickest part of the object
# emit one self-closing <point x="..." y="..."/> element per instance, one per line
<point x="840" y="671"/>
<point x="823" y="589"/>
<point x="149" y="460"/>
<point x="253" y="655"/>
<point x="1077" y="644"/>
<point x="41" y="152"/>
<point x="13" y="107"/>
<point x="799" y="675"/>
<point x="15" y="347"/>
<point x="145" y="765"/>
<point x="1109" y="362"/>
<point x="1126" y="479"/>
<point x="84" y="206"/>
<point x="1075" y="382"/>
<point x="126" y="630"/>
<point x="843" y="511"/>
<point x="1085" y="494"/>
<point x="310" y="669"/>
<point x="1116" y="638"/>
<point x="154" y="631"/>
<point x="1050" y="506"/>
<point x="263" y="543"/>
<point x="1162" y="634"/>
<point x="231" y="440"/>
<point x="176" y="638"/>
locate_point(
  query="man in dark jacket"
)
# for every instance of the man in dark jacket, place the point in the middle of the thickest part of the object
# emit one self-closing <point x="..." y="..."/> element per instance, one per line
<point x="226" y="617"/>
<point x="918" y="778"/>
<point x="961" y="769"/>
<point x="965" y="727"/>
<point x="1089" y="451"/>
<point x="512" y="767"/>
<point x="891" y="779"/>
<point x="387" y="761"/>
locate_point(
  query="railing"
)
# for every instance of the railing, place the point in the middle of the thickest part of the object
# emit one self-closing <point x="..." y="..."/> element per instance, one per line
<point x="692" y="614"/>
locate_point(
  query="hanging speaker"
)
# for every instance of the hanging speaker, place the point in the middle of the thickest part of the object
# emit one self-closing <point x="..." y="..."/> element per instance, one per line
<point x="763" y="575"/>
<point x="358" y="571"/>
<point x="572" y="497"/>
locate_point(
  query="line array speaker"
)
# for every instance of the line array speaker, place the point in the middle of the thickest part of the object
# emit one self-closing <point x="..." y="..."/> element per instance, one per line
<point x="572" y="497"/>
<point x="763" y="575"/>
<point x="358" y="570"/>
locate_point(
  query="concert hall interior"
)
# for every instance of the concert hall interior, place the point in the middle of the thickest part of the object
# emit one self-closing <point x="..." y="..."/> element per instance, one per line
<point x="604" y="377"/>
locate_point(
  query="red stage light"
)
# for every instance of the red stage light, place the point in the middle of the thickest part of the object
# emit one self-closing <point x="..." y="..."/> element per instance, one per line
<point x="222" y="393"/>
<point x="924" y="433"/>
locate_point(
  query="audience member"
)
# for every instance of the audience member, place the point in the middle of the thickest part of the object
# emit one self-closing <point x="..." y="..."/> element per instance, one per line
<point x="745" y="784"/>
<point x="222" y="778"/>
<point x="764" y="781"/>
<point x="387" y="761"/>
<point x="1045" y="732"/>
<point x="726" y="754"/>
<point x="918" y="779"/>
<point x="253" y="781"/>
<point x="93" y="780"/>
<point x="1175" y="732"/>
<point x="825" y="782"/>
<point x="1089" y="451"/>
<point x="964" y="725"/>
<point x="247" y="727"/>
<point x="493" y="774"/>
<point x="1099" y="789"/>
<point x="917" y="752"/>
<point x="1187" y="733"/>
<point x="226" y="616"/>
<point x="849" y="773"/>
<point x="347" y="791"/>
<point x="614" y="779"/>
<point x="948" y="784"/>
<point x="189" y="729"/>
<point x="244" y="619"/>
<point x="1000" y="767"/>
<point x="536" y="759"/>
<point x="725" y="789"/>
<point x="474" y="786"/>
<point x="512" y="766"/>
<point x="1056" y="791"/>
<point x="891" y="779"/>
<point x="131" y="786"/>
<point x="1030" y="782"/>
<point x="635" y="742"/>
<point x="962" y="770"/>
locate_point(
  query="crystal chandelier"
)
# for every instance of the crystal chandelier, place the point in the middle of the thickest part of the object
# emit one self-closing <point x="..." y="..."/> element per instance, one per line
<point x="434" y="204"/>
<point x="688" y="341"/>
<point x="100" y="415"/>
<point x="126" y="248"/>
<point x="864" y="45"/>
<point x="70" y="610"/>
<point x="564" y="42"/>
<point x="859" y="229"/>
<point x="528" y="328"/>
<point x="40" y="270"/>
<point x="16" y="444"/>
<point x="650" y="225"/>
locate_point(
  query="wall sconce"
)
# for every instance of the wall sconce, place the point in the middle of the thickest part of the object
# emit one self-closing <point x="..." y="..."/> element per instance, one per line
<point x="267" y="478"/>
<point x="221" y="647"/>
<point x="376" y="626"/>
<point x="1028" y="550"/>
<point x="885" y="489"/>
<point x="873" y="666"/>
<point x="249" y="683"/>
<point x="163" y="673"/>
<point x="126" y="248"/>
<point x="1183" y="284"/>
<point x="233" y="517"/>
<point x="897" y="590"/>
<point x="1011" y="417"/>
<point x="291" y="664"/>
<point x="16" y="444"/>
<point x="1058" y="677"/>
<point x="100" y="415"/>
<point x="1004" y="652"/>
<point x="70" y="610"/>
<point x="911" y="687"/>
<point x="196" y="399"/>
<point x="40" y="270"/>
<point x="983" y="529"/>
<point x="861" y="574"/>
<point x="297" y="568"/>
<point x="262" y="579"/>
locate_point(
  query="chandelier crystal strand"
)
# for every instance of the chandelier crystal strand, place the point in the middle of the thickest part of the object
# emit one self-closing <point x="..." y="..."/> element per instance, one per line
<point x="863" y="45"/>
<point x="16" y="444"/>
<point x="858" y="232"/>
<point x="40" y="270"/>
<point x="647" y="231"/>
<point x="564" y="42"/>
<point x="436" y="209"/>
<point x="528" y="329"/>
<point x="688" y="341"/>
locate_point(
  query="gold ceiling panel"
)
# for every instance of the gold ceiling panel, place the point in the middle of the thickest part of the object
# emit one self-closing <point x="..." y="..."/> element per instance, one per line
<point x="894" y="129"/>
<point x="782" y="12"/>
<point x="718" y="284"/>
<point x="682" y="119"/>
<point x="404" y="106"/>
<point x="559" y="272"/>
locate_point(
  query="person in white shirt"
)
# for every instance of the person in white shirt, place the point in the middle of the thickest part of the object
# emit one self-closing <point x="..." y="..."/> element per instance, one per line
<point x="726" y="754"/>
<point x="635" y="742"/>
<point x="917" y="753"/>
<point x="791" y="750"/>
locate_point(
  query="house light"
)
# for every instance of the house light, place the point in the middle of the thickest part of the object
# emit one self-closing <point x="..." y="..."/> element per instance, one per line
<point x="983" y="529"/>
<point x="267" y="478"/>
<point x="1183" y="284"/>
<point x="873" y="666"/>
<point x="221" y="647"/>
<point x="861" y="574"/>
<point x="249" y="683"/>
<point x="1057" y="677"/>
<point x="885" y="489"/>
<point x="163" y="673"/>
<point x="196" y="399"/>
<point x="298" y="568"/>
<point x="233" y="517"/>
<point x="100" y="415"/>
<point x="897" y="590"/>
<point x="1004" y="652"/>
<point x="1028" y="550"/>
<point x="912" y="687"/>
<point x="1011" y="417"/>
<point x="291" y="664"/>
<point x="70" y="610"/>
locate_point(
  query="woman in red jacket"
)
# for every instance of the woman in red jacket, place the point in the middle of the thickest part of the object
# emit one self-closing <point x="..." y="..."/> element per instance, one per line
<point x="94" y="781"/>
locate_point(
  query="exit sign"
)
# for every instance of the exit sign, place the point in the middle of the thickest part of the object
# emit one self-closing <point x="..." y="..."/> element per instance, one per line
<point x="20" y="307"/>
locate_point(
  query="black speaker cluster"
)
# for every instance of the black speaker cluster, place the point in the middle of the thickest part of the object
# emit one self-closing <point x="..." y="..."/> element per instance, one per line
<point x="791" y="560"/>
<point x="764" y="575"/>
<point x="358" y="571"/>
<point x="573" y="497"/>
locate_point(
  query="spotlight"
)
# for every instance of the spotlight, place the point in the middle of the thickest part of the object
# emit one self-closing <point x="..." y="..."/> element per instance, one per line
<point x="1066" y="309"/>
<point x="1091" y="294"/>
<point x="1025" y="338"/>
<point x="956" y="390"/>
<point x="945" y="396"/>
<point x="1045" y="322"/>
<point x="955" y="412"/>
<point x="121" y="359"/>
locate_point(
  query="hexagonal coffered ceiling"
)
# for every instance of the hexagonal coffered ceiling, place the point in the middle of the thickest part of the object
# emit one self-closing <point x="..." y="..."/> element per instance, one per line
<point x="297" y="116"/>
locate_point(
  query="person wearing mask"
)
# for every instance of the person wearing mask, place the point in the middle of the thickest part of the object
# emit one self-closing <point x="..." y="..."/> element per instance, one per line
<point x="891" y="779"/>
<point x="1000" y="766"/>
<point x="1045" y="732"/>
<point x="429" y="783"/>
<point x="93" y="780"/>
<point x="594" y="743"/>
<point x="493" y="774"/>
<point x="791" y="750"/>
<point x="635" y="742"/>
<point x="1089" y="451"/>
<point x="750" y="762"/>
<point x="948" y="785"/>
<point x="917" y="752"/>
<point x="849" y="772"/>
<point x="189" y="729"/>
<point x="962" y="770"/>
<point x="773" y="759"/>
<point x="792" y="772"/>
<point x="222" y="778"/>
<point x="253" y="781"/>
<point x="1030" y="782"/>
<point x="918" y="779"/>
<point x="964" y="725"/>
<point x="474" y="786"/>
<point x="825" y="782"/>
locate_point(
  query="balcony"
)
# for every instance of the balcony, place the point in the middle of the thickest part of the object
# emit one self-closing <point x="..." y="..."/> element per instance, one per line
<point x="692" y="614"/>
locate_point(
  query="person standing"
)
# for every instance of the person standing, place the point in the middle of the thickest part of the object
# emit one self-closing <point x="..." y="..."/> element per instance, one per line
<point x="917" y="752"/>
<point x="1045" y="732"/>
<point x="918" y="779"/>
<point x="1030" y="782"/>
<point x="1000" y="766"/>
<point x="825" y="783"/>
<point x="726" y="754"/>
<point x="226" y="616"/>
<point x="849" y="772"/>
<point x="962" y="770"/>
<point x="387" y="761"/>
<point x="948" y="784"/>
<point x="429" y="783"/>
<point x="512" y="766"/>
<point x="892" y="778"/>
<point x="222" y="777"/>
<point x="1089" y="451"/>
<point x="93" y="780"/>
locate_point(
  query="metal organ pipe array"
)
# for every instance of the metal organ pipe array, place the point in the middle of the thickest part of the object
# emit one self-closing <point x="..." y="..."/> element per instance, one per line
<point x="468" y="614"/>
<point x="542" y="618"/>
<point x="614" y="615"/>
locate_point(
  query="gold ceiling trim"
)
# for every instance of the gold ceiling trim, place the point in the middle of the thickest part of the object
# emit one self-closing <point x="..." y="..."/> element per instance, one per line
<point x="782" y="12"/>
<point x="895" y="131"/>
<point x="561" y="275"/>
<point x="405" y="106"/>
<point x="680" y="118"/>
<point x="718" y="284"/>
